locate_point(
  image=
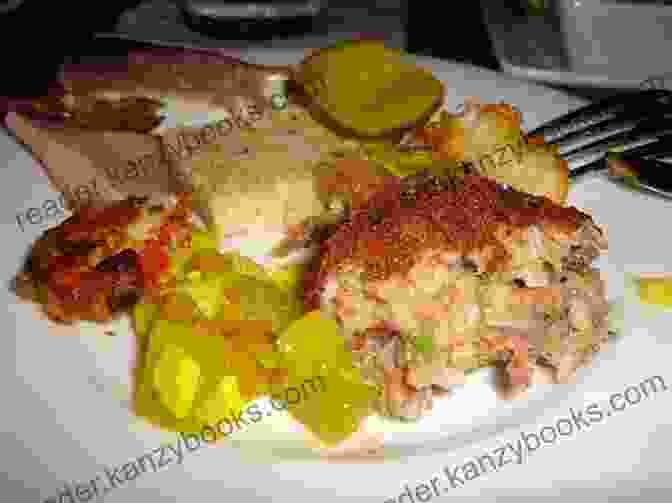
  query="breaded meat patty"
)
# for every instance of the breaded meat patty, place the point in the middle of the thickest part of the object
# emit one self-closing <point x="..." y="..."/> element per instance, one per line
<point x="435" y="276"/>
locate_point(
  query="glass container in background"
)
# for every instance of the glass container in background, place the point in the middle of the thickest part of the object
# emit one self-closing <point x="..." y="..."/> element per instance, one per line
<point x="621" y="39"/>
<point x="609" y="44"/>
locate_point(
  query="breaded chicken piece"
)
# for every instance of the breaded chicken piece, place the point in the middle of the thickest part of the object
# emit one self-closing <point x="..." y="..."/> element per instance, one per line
<point x="101" y="260"/>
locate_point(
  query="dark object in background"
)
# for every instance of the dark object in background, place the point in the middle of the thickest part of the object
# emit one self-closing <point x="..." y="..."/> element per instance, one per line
<point x="253" y="19"/>
<point x="38" y="35"/>
<point x="453" y="31"/>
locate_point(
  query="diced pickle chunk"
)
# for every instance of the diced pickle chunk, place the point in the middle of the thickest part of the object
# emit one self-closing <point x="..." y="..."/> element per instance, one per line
<point x="656" y="290"/>
<point x="221" y="402"/>
<point x="314" y="352"/>
<point x="176" y="378"/>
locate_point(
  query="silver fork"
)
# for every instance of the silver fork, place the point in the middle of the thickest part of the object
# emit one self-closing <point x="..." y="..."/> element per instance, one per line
<point x="624" y="137"/>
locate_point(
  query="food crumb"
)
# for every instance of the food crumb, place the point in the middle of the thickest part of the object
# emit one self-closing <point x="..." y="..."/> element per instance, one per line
<point x="655" y="289"/>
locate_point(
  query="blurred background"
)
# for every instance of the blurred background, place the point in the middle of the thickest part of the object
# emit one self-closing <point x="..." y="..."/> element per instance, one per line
<point x="592" y="48"/>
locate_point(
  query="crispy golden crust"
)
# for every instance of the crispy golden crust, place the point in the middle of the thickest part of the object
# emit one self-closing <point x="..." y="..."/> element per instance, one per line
<point x="91" y="266"/>
<point x="491" y="137"/>
<point x="563" y="182"/>
<point x="465" y="216"/>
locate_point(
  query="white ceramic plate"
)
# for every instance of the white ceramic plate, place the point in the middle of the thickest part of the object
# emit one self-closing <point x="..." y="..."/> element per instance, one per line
<point x="65" y="424"/>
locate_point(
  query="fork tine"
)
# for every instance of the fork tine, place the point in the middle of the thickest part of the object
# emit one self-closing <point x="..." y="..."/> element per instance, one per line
<point x="617" y="107"/>
<point x="646" y="149"/>
<point x="595" y="135"/>
<point x="649" y="173"/>
<point x="660" y="148"/>
<point x="578" y="169"/>
<point x="641" y="137"/>
<point x="612" y="128"/>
